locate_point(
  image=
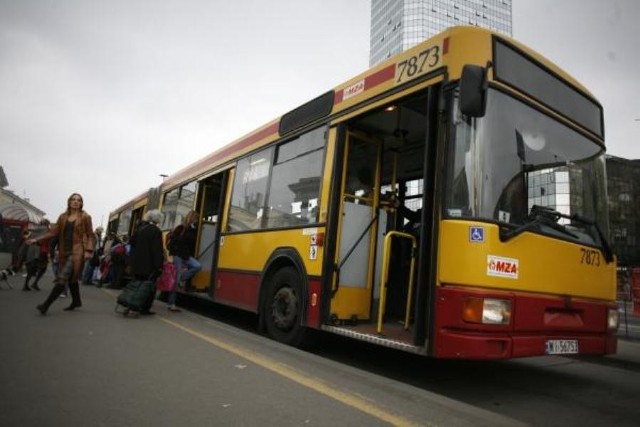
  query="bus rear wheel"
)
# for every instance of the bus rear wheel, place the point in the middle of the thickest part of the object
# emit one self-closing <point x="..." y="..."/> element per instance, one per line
<point x="283" y="307"/>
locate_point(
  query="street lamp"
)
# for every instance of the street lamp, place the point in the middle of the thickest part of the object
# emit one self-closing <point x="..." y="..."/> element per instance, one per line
<point x="163" y="176"/>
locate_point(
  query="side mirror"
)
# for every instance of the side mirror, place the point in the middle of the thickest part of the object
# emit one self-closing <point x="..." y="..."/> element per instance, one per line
<point x="473" y="91"/>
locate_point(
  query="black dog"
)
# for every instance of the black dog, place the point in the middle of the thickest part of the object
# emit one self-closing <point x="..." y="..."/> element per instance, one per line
<point x="4" y="275"/>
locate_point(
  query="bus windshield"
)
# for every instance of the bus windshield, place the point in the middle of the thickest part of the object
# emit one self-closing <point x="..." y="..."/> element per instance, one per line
<point x="507" y="165"/>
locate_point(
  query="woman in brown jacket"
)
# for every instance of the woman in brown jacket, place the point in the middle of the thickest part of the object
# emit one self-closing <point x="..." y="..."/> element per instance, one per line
<point x="76" y="242"/>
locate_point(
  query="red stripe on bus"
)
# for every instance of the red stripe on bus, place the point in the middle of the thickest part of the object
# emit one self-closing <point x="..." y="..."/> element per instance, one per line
<point x="371" y="81"/>
<point x="251" y="139"/>
<point x="445" y="46"/>
<point x="380" y="77"/>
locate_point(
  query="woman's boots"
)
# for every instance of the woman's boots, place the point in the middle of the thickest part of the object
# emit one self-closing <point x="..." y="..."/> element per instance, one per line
<point x="26" y="284"/>
<point x="35" y="286"/>
<point x="74" y="288"/>
<point x="53" y="295"/>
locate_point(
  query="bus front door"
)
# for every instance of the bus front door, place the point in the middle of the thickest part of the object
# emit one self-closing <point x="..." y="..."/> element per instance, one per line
<point x="358" y="226"/>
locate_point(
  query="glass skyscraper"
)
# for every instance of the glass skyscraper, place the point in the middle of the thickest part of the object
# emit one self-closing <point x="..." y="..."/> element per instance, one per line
<point x="397" y="25"/>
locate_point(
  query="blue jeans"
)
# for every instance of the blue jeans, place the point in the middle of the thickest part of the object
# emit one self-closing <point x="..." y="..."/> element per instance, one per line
<point x="192" y="265"/>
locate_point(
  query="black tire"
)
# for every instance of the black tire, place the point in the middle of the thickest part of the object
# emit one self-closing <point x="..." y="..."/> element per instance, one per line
<point x="283" y="305"/>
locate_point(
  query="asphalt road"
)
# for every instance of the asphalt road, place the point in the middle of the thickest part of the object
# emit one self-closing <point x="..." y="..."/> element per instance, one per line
<point x="94" y="367"/>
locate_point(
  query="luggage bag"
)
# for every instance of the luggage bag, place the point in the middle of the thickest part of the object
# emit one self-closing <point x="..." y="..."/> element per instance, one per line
<point x="134" y="296"/>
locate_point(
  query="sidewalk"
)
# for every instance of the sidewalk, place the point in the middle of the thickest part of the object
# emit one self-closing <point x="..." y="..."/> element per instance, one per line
<point x="92" y="367"/>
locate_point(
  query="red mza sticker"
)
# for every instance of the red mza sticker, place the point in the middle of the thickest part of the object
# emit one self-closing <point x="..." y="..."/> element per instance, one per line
<point x="502" y="267"/>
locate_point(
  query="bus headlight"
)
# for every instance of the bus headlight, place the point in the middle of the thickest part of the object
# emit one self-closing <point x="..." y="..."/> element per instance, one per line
<point x="488" y="311"/>
<point x="613" y="319"/>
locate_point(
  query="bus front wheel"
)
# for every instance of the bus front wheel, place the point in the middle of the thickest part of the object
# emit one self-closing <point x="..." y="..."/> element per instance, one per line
<point x="283" y="307"/>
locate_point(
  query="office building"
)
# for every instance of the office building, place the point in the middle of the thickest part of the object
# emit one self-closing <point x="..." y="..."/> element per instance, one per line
<point x="623" y="188"/>
<point x="397" y="25"/>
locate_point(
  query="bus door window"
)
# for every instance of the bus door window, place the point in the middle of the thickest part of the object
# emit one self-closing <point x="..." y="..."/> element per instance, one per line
<point x="136" y="217"/>
<point x="177" y="202"/>
<point x="211" y="194"/>
<point x="360" y="175"/>
<point x="124" y="222"/>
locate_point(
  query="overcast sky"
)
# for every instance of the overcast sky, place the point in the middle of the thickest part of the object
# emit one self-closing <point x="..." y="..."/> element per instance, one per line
<point x="101" y="97"/>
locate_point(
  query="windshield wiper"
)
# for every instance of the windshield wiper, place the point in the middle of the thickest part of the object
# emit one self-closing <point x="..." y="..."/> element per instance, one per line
<point x="539" y="215"/>
<point x="543" y="215"/>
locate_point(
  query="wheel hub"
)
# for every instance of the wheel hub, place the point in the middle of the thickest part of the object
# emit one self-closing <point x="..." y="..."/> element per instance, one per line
<point x="284" y="308"/>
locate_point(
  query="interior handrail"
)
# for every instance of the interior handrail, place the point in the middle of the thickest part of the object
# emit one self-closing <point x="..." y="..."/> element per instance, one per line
<point x="385" y="273"/>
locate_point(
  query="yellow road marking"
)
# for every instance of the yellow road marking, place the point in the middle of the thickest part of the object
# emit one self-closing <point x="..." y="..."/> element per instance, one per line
<point x="300" y="378"/>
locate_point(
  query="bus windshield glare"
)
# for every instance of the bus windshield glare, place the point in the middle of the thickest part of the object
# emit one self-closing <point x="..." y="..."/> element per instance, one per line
<point x="506" y="165"/>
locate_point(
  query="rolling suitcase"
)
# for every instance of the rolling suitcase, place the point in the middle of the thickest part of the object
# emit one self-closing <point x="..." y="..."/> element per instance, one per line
<point x="134" y="296"/>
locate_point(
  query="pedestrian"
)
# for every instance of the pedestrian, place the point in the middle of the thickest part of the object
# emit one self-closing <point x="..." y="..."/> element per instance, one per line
<point x="105" y="259"/>
<point x="75" y="244"/>
<point x="38" y="262"/>
<point x="119" y="255"/>
<point x="18" y="257"/>
<point x="147" y="253"/>
<point x="182" y="247"/>
<point x="91" y="264"/>
<point x="21" y="254"/>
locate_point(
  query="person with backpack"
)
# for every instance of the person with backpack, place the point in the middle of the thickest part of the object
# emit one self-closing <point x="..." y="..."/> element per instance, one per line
<point x="182" y="247"/>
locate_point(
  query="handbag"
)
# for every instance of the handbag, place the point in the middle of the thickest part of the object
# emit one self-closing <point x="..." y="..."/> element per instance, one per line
<point x="167" y="279"/>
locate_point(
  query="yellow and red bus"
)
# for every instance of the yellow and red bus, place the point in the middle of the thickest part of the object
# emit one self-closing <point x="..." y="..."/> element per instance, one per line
<point x="449" y="202"/>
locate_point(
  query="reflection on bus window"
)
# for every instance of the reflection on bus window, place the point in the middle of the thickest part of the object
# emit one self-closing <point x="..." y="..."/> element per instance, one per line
<point x="177" y="203"/>
<point x="295" y="183"/>
<point x="515" y="157"/>
<point x="360" y="171"/>
<point x="292" y="196"/>
<point x="124" y="222"/>
<point x="249" y="190"/>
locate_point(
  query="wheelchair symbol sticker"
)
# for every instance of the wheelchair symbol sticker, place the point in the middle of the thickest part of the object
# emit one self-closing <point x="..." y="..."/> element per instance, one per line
<point x="476" y="234"/>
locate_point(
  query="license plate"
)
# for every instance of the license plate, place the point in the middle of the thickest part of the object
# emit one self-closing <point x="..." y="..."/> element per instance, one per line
<point x="562" y="347"/>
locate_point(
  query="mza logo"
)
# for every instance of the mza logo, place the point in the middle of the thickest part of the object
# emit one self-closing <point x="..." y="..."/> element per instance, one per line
<point x="353" y="90"/>
<point x="502" y="267"/>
